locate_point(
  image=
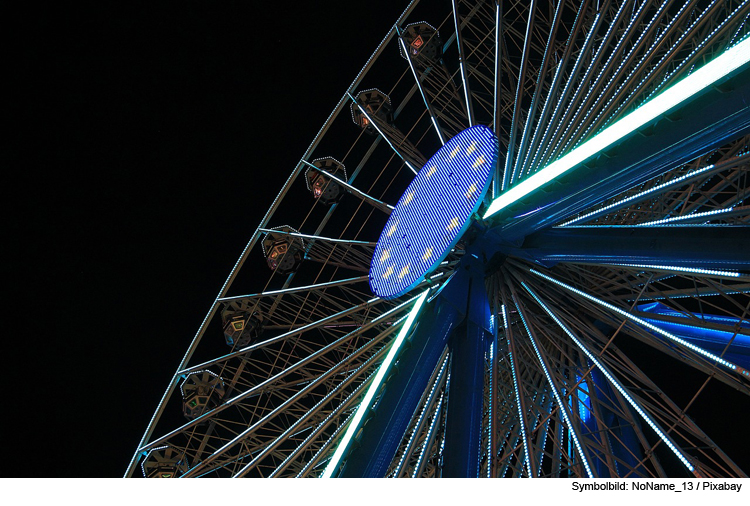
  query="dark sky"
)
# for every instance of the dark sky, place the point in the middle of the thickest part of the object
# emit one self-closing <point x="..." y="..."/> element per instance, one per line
<point x="150" y="143"/>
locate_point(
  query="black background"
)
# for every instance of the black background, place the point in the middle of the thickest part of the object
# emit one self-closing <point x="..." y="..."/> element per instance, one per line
<point x="145" y="146"/>
<point x="150" y="141"/>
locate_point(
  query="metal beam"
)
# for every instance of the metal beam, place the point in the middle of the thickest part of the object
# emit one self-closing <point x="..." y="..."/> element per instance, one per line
<point x="723" y="247"/>
<point x="463" y="430"/>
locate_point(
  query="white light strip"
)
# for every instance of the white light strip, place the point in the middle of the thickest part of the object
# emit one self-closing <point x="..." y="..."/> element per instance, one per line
<point x="640" y="321"/>
<point x="544" y="443"/>
<point x="521" y="417"/>
<point x="642" y="194"/>
<point x="374" y="387"/>
<point x="560" y="403"/>
<point x="716" y="69"/>
<point x="616" y="384"/>
<point x="685" y="217"/>
<point x="692" y="270"/>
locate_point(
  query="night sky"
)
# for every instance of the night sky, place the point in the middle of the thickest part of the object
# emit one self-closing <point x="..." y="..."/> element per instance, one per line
<point x="149" y="143"/>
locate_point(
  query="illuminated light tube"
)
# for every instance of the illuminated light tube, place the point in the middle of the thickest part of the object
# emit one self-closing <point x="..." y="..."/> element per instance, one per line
<point x="692" y="270"/>
<point x="718" y="68"/>
<point x="641" y="322"/>
<point x="616" y="384"/>
<point x="560" y="403"/>
<point x="374" y="387"/>
<point x="686" y="217"/>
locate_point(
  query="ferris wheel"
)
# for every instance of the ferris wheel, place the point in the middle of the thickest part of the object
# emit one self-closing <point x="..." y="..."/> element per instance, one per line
<point x="518" y="247"/>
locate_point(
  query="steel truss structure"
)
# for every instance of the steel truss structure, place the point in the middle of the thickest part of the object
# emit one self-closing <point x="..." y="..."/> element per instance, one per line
<point x="530" y="352"/>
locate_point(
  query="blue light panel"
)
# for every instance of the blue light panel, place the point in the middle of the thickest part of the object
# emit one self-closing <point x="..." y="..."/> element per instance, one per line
<point x="434" y="211"/>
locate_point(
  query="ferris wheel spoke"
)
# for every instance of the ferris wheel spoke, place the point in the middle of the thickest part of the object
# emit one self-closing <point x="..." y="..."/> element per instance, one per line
<point x="520" y="394"/>
<point x="585" y="82"/>
<point x="613" y="381"/>
<point x="266" y="386"/>
<point x="295" y="333"/>
<point x="462" y="65"/>
<point x="419" y="85"/>
<point x="540" y="157"/>
<point x="520" y="82"/>
<point x="416" y="365"/>
<point x="729" y="372"/>
<point x="670" y="68"/>
<point x="313" y="444"/>
<point x="350" y="362"/>
<point x="556" y="391"/>
<point x="679" y="187"/>
<point x="627" y="164"/>
<point x="313" y="413"/>
<point x="567" y="48"/>
<point x="661" y="410"/>
<point x="619" y="29"/>
<point x="353" y="190"/>
<point x="420" y="435"/>
<point x="551" y="47"/>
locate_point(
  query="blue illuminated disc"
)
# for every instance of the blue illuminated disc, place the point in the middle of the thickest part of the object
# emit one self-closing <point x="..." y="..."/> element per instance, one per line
<point x="434" y="212"/>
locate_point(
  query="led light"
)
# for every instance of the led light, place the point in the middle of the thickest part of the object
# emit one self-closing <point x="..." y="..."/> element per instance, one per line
<point x="641" y="322"/>
<point x="521" y="420"/>
<point x="700" y="79"/>
<point x="374" y="386"/>
<point x="693" y="270"/>
<point x="615" y="383"/>
<point x="642" y="194"/>
<point x="434" y="212"/>
<point x="686" y="217"/>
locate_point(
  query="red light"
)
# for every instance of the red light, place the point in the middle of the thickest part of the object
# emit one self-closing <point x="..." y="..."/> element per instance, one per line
<point x="417" y="42"/>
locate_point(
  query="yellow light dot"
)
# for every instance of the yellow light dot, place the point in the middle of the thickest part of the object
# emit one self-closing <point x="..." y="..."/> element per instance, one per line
<point x="471" y="191"/>
<point x="432" y="170"/>
<point x="385" y="256"/>
<point x="393" y="229"/>
<point x="471" y="148"/>
<point x="479" y="162"/>
<point x="388" y="272"/>
<point x="455" y="151"/>
<point x="404" y="272"/>
<point x="409" y="197"/>
<point x="427" y="254"/>
<point x="453" y="224"/>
